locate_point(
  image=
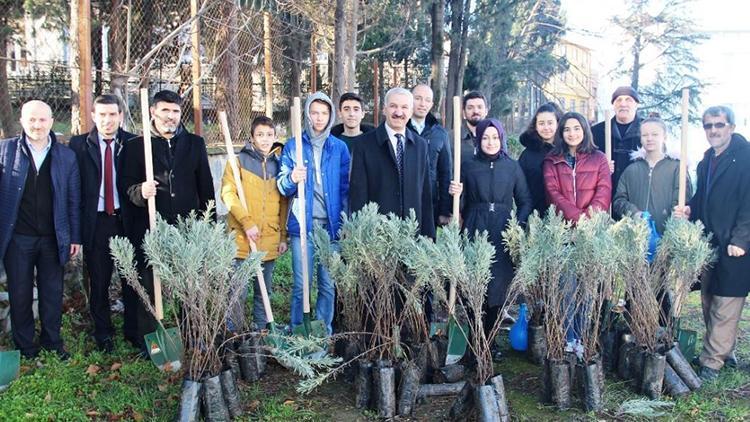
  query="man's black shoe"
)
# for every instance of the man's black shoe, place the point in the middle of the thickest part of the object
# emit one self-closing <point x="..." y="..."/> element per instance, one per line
<point x="731" y="362"/>
<point x="62" y="355"/>
<point x="708" y="374"/>
<point x="106" y="345"/>
<point x="30" y="355"/>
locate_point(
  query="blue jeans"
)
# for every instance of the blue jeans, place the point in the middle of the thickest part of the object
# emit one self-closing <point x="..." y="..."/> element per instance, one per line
<point x="325" y="301"/>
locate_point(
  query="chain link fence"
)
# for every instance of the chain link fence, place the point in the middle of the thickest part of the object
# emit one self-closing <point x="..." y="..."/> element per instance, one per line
<point x="145" y="44"/>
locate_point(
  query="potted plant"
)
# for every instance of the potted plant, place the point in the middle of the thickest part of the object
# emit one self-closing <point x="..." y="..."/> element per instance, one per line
<point x="194" y="260"/>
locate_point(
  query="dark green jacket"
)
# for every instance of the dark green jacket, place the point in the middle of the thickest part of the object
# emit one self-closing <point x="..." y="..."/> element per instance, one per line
<point x="642" y="188"/>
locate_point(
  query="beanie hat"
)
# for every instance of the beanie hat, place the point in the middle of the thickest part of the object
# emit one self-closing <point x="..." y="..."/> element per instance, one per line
<point x="626" y="90"/>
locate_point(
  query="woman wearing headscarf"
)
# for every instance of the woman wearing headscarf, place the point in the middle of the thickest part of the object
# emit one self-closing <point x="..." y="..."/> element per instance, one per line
<point x="490" y="182"/>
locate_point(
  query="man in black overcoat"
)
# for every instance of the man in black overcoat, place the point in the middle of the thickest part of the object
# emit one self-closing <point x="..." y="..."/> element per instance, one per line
<point x="182" y="182"/>
<point x="390" y="166"/>
<point x="722" y="204"/>
<point x="103" y="207"/>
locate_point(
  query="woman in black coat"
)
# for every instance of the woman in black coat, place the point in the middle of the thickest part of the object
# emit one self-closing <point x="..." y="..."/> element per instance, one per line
<point x="538" y="139"/>
<point x="491" y="181"/>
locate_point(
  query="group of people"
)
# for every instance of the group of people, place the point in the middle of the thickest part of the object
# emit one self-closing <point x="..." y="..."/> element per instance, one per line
<point x="58" y="199"/>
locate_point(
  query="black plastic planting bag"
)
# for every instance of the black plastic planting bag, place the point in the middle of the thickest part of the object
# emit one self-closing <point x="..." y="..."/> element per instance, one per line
<point x="214" y="408"/>
<point x="636" y="367"/>
<point x="463" y="404"/>
<point x="624" y="360"/>
<point x="502" y="402"/>
<point x="681" y="366"/>
<point x="449" y="374"/>
<point x="593" y="386"/>
<point x="546" y="382"/>
<point x="384" y="381"/>
<point x="231" y="394"/>
<point x="485" y="401"/>
<point x="560" y="383"/>
<point x="653" y="375"/>
<point x="248" y="362"/>
<point x="363" y="384"/>
<point x="409" y="388"/>
<point x="537" y="344"/>
<point x="231" y="360"/>
<point x="608" y="340"/>
<point x="351" y="350"/>
<point x="673" y="383"/>
<point x="190" y="401"/>
<point x="256" y="341"/>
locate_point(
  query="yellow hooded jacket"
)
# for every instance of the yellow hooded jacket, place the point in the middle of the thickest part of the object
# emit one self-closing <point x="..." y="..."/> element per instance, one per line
<point x="267" y="208"/>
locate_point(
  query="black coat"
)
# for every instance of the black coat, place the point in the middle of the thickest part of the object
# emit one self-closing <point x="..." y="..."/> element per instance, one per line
<point x="374" y="177"/>
<point x="89" y="159"/>
<point x="490" y="188"/>
<point x="441" y="162"/>
<point x="724" y="208"/>
<point x="622" y="146"/>
<point x="183" y="175"/>
<point x="531" y="163"/>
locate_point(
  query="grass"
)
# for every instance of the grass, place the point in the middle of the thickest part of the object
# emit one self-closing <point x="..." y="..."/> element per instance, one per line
<point x="95" y="386"/>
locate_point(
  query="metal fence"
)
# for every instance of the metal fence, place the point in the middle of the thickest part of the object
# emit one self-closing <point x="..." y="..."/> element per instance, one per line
<point x="142" y="43"/>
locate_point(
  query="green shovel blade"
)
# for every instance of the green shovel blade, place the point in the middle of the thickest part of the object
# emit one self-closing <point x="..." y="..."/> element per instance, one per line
<point x="687" y="339"/>
<point x="165" y="347"/>
<point x="456" y="341"/>
<point x="314" y="328"/>
<point x="10" y="364"/>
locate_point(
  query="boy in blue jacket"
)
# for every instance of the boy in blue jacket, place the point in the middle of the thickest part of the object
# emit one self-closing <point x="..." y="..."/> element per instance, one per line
<point x="325" y="172"/>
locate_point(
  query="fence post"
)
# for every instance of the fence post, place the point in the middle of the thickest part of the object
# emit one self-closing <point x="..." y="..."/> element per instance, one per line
<point x="196" y="69"/>
<point x="81" y="81"/>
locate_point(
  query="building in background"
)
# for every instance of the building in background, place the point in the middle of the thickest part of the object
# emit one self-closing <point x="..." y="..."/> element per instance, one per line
<point x="575" y="89"/>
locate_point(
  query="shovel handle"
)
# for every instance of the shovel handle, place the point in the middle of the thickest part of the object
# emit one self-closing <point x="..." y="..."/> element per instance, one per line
<point x="262" y="287"/>
<point x="683" y="147"/>
<point x="148" y="162"/>
<point x="456" y="153"/>
<point x="302" y="216"/>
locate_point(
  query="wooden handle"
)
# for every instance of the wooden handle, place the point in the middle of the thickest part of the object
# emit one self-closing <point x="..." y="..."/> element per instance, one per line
<point x="608" y="134"/>
<point x="232" y="160"/>
<point x="262" y="287"/>
<point x="456" y="152"/>
<point x="302" y="217"/>
<point x="149" y="164"/>
<point x="683" y="147"/>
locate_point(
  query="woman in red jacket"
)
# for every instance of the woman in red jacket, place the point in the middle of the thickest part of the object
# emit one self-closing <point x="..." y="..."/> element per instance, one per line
<point x="576" y="174"/>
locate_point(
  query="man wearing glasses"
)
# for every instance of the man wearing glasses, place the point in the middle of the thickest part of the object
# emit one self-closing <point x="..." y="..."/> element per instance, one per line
<point x="722" y="204"/>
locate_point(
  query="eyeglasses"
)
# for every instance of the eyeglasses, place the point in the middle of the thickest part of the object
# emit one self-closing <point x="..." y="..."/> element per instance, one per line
<point x="720" y="125"/>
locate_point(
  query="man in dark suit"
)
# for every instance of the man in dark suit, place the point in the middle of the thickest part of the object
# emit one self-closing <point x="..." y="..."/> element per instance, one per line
<point x="390" y="166"/>
<point x="99" y="160"/>
<point x="182" y="183"/>
<point x="39" y="226"/>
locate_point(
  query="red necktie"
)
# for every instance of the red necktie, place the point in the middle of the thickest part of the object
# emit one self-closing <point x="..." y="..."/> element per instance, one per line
<point x="109" y="195"/>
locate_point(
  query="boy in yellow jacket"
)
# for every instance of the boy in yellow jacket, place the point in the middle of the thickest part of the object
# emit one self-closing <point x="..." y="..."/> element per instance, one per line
<point x="265" y="219"/>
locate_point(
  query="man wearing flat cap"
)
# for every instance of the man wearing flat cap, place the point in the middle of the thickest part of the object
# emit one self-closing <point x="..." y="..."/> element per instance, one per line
<point x="626" y="129"/>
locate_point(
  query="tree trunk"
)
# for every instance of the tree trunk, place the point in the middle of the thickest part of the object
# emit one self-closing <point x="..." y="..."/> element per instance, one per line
<point x="636" y="62"/>
<point x="118" y="45"/>
<point x="80" y="65"/>
<point x="8" y="126"/>
<point x="437" y="68"/>
<point x="455" y="63"/>
<point x="345" y="39"/>
<point x="97" y="53"/>
<point x="227" y="68"/>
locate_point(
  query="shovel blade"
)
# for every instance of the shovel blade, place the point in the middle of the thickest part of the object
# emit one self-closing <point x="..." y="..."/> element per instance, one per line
<point x="456" y="341"/>
<point x="10" y="364"/>
<point x="308" y="328"/>
<point x="165" y="348"/>
<point x="687" y="339"/>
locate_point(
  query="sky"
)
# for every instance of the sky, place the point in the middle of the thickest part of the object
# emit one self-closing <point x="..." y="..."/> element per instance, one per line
<point x="724" y="57"/>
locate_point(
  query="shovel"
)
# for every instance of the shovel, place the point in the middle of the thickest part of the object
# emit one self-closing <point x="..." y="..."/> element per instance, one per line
<point x="274" y="337"/>
<point x="10" y="364"/>
<point x="687" y="339"/>
<point x="165" y="344"/>
<point x="308" y="327"/>
<point x="456" y="332"/>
